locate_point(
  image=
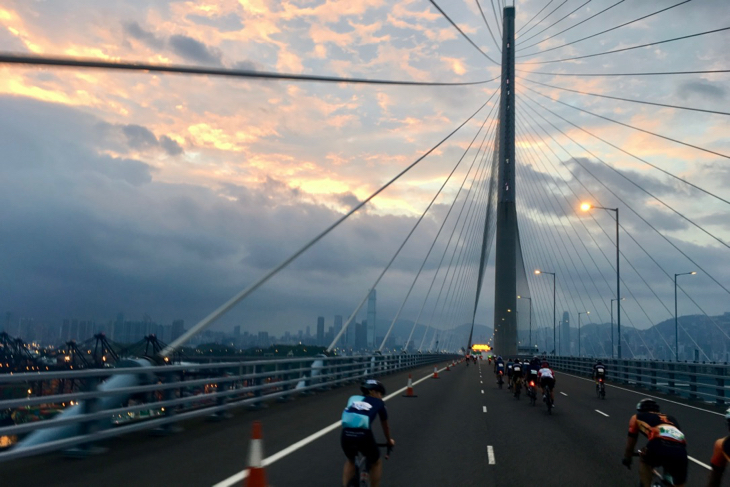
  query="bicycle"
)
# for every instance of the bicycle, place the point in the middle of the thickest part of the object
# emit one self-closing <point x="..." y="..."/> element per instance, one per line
<point x="548" y="399"/>
<point x="659" y="479"/>
<point x="500" y="381"/>
<point x="601" y="389"/>
<point x="518" y="387"/>
<point x="362" y="469"/>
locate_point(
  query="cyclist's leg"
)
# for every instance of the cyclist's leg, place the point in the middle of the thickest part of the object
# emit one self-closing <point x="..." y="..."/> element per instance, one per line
<point x="376" y="470"/>
<point x="348" y="472"/>
<point x="349" y="447"/>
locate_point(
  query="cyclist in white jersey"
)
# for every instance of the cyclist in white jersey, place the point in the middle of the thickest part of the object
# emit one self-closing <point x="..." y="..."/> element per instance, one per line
<point x="546" y="377"/>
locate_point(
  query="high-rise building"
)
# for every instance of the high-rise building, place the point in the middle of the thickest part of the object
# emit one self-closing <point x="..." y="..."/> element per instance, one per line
<point x="565" y="335"/>
<point x="178" y="328"/>
<point x="371" y="319"/>
<point x="361" y="335"/>
<point x="338" y="329"/>
<point x="320" y="330"/>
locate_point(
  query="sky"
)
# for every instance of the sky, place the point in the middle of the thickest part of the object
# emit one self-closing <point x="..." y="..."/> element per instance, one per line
<point x="165" y="195"/>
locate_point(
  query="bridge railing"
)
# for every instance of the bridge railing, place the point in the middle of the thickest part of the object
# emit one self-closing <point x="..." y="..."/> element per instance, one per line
<point x="139" y="396"/>
<point x="702" y="382"/>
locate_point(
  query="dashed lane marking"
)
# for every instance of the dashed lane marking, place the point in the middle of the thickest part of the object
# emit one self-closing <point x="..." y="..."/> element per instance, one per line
<point x="490" y="454"/>
<point x="484" y="409"/>
<point x="482" y="391"/>
<point x="601" y="412"/>
<point x="700" y="463"/>
<point x="564" y="394"/>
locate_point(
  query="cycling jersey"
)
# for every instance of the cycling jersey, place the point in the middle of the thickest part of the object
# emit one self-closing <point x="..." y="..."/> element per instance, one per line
<point x="360" y="412"/>
<point x="545" y="373"/>
<point x="599" y="370"/>
<point x="721" y="453"/>
<point x="656" y="426"/>
<point x="517" y="370"/>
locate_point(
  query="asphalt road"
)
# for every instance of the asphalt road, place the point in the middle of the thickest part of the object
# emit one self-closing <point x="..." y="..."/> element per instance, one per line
<point x="443" y="438"/>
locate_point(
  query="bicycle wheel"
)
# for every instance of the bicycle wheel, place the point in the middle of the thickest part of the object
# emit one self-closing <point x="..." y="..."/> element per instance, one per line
<point x="548" y="400"/>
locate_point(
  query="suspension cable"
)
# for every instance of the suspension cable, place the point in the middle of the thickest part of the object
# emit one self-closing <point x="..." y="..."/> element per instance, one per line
<point x="433" y="2"/>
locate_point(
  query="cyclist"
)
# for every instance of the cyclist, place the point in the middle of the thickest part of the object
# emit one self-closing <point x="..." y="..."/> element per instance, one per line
<point x="599" y="372"/>
<point x="666" y="446"/>
<point x="532" y="368"/>
<point x="510" y="364"/>
<point x="720" y="456"/>
<point x="547" y="378"/>
<point x="357" y="434"/>
<point x="498" y="368"/>
<point x="517" y="372"/>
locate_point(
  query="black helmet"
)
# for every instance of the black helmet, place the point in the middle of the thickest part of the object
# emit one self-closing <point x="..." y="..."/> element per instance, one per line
<point x="647" y="405"/>
<point x="372" y="385"/>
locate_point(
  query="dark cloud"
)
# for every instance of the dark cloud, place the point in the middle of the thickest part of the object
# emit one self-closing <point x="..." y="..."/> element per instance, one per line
<point x="137" y="32"/>
<point x="701" y="88"/>
<point x="171" y="146"/>
<point x="193" y="50"/>
<point x="184" y="46"/>
<point x="139" y="137"/>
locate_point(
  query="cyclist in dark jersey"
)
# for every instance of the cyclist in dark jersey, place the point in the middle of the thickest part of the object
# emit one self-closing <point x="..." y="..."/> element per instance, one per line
<point x="666" y="447"/>
<point x="357" y="434"/>
<point x="720" y="457"/>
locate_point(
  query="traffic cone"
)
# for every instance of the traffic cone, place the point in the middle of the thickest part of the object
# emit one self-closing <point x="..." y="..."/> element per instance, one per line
<point x="435" y="373"/>
<point x="256" y="473"/>
<point x="409" y="389"/>
<point x="447" y="368"/>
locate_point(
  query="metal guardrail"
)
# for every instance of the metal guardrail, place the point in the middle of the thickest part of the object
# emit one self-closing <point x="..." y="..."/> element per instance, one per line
<point x="696" y="381"/>
<point x="174" y="393"/>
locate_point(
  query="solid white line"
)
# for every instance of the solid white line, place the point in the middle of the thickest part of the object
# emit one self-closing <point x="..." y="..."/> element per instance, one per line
<point x="564" y="394"/>
<point x="490" y="454"/>
<point x="301" y="443"/>
<point x="484" y="408"/>
<point x="699" y="463"/>
<point x="601" y="412"/>
<point x="649" y="395"/>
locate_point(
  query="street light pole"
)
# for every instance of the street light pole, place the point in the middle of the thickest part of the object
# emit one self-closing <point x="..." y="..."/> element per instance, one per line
<point x="580" y="313"/>
<point x="676" y="321"/>
<point x="538" y="271"/>
<point x="586" y="207"/>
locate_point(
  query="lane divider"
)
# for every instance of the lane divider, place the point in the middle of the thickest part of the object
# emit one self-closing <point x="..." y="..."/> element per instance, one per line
<point x="484" y="409"/>
<point x="482" y="391"/>
<point x="601" y="412"/>
<point x="649" y="395"/>
<point x="242" y="475"/>
<point x="490" y="454"/>
<point x="699" y="463"/>
<point x="564" y="394"/>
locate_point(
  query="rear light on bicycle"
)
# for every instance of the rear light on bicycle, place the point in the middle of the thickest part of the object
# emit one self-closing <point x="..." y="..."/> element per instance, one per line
<point x="600" y="380"/>
<point x="532" y="384"/>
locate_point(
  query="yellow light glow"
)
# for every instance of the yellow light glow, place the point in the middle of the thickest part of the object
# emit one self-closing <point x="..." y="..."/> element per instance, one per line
<point x="537" y="271"/>
<point x="481" y="347"/>
<point x="585" y="206"/>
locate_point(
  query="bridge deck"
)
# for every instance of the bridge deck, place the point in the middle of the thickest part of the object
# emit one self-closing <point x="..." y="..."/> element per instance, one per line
<point x="442" y="439"/>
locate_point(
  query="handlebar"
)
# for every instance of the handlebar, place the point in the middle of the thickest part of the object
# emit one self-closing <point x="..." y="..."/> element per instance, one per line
<point x="389" y="449"/>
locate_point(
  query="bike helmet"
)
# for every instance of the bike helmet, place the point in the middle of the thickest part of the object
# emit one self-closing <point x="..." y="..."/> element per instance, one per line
<point x="372" y="385"/>
<point x="545" y="364"/>
<point x="647" y="406"/>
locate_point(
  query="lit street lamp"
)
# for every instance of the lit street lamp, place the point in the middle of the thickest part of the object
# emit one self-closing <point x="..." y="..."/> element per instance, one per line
<point x="580" y="313"/>
<point x="676" y="335"/>
<point x="538" y="271"/>
<point x="586" y="207"/>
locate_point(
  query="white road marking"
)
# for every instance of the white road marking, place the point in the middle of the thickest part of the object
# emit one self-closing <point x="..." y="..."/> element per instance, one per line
<point x="484" y="408"/>
<point x="481" y="382"/>
<point x="648" y="395"/>
<point x="601" y="412"/>
<point x="482" y="391"/>
<point x="699" y="463"/>
<point x="564" y="394"/>
<point x="234" y="479"/>
<point x="490" y="454"/>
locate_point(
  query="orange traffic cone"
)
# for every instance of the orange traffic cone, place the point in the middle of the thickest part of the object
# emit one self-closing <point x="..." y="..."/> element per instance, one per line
<point x="447" y="368"/>
<point x="256" y="473"/>
<point x="435" y="373"/>
<point x="409" y="389"/>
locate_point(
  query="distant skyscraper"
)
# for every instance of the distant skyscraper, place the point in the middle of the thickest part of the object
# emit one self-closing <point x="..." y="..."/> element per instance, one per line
<point x="371" y="319"/>
<point x="178" y="328"/>
<point x="320" y="330"/>
<point x="361" y="335"/>
<point x="565" y="335"/>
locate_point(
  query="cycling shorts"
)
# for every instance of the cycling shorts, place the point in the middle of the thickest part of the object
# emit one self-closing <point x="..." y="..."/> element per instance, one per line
<point x="547" y="381"/>
<point x="363" y="441"/>
<point x="669" y="455"/>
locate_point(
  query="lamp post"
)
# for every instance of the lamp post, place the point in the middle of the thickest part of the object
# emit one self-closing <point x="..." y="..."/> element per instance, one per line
<point x="529" y="299"/>
<point x="538" y="271"/>
<point x="676" y="334"/>
<point x="586" y="207"/>
<point x="622" y="299"/>
<point x="580" y="313"/>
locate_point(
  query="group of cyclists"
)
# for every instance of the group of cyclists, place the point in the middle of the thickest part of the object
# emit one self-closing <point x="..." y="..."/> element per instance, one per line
<point x="666" y="445"/>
